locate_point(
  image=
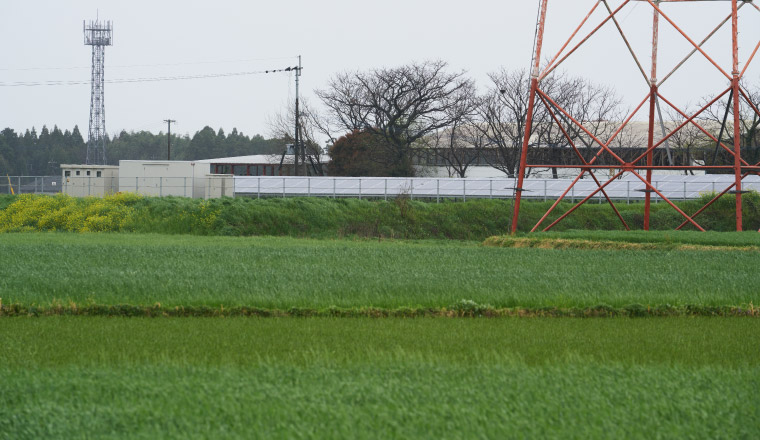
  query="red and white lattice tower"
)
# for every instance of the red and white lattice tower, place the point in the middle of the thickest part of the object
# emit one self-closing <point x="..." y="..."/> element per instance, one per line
<point x="642" y="165"/>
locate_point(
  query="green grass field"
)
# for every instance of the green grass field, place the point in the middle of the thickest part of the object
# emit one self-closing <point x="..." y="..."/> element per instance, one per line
<point x="348" y="378"/>
<point x="251" y="377"/>
<point x="282" y="273"/>
<point x="98" y="341"/>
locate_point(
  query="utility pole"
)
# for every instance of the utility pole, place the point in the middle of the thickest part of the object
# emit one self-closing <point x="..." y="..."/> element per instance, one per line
<point x="169" y="139"/>
<point x="297" y="147"/>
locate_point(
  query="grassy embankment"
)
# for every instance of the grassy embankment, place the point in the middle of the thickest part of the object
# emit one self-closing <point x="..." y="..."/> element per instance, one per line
<point x="358" y="378"/>
<point x="328" y="218"/>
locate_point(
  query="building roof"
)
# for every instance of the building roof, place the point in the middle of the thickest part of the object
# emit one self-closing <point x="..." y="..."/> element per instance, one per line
<point x="67" y="165"/>
<point x="256" y="159"/>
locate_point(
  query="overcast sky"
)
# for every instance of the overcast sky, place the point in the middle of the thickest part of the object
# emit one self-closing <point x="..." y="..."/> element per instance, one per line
<point x="42" y="41"/>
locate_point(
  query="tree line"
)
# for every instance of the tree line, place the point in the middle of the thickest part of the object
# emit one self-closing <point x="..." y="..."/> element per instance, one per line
<point x="387" y="118"/>
<point x="390" y="121"/>
<point x="33" y="153"/>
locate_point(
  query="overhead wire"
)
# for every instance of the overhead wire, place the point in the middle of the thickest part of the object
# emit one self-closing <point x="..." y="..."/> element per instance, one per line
<point x="140" y="80"/>
<point x="189" y="63"/>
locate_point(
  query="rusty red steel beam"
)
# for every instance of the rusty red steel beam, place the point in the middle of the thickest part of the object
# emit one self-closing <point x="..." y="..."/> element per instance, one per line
<point x="581" y="126"/>
<point x="689" y="120"/>
<point x="707" y="38"/>
<point x="702" y="209"/>
<point x="529" y="118"/>
<point x="627" y="120"/>
<point x="680" y="31"/>
<point x="580" y="156"/>
<point x="749" y="101"/>
<point x="559" y="199"/>
<point x="652" y="104"/>
<point x="543" y="95"/>
<point x="714" y="199"/>
<point x="751" y="57"/>
<point x="702" y="129"/>
<point x="737" y="117"/>
<point x="625" y="40"/>
<point x="579" y="204"/>
<point x="754" y="168"/>
<point x="656" y="191"/>
<point x="588" y="166"/>
<point x="564" y="46"/>
<point x="619" y="129"/>
<point x="547" y="71"/>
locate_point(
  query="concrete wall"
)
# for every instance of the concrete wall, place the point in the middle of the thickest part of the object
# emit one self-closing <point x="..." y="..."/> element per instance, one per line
<point x="89" y="180"/>
<point x="147" y="177"/>
<point x="163" y="178"/>
<point x="219" y="185"/>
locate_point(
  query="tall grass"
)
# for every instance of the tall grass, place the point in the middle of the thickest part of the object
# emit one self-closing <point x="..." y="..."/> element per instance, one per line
<point x="281" y="273"/>
<point x="325" y="378"/>
<point x="314" y="217"/>
<point x="55" y="342"/>
<point x="405" y="400"/>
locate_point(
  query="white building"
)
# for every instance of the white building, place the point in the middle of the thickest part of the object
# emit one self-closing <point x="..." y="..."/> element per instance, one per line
<point x="89" y="180"/>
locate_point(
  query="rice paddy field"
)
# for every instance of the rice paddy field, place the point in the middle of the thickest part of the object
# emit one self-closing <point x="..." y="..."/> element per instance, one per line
<point x="379" y="339"/>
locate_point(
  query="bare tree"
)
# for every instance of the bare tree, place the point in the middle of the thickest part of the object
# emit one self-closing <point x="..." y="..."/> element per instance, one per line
<point x="503" y="112"/>
<point x="721" y="111"/>
<point x="458" y="145"/>
<point x="687" y="144"/>
<point x="282" y="126"/>
<point x="399" y="106"/>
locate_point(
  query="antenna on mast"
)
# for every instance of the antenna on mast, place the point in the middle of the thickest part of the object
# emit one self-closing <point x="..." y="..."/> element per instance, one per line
<point x="98" y="35"/>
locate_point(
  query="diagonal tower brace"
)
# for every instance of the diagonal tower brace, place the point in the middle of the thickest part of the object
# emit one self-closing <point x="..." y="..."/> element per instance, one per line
<point x="741" y="168"/>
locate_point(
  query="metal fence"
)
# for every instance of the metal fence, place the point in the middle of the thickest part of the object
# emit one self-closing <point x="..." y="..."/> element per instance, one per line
<point x="30" y="184"/>
<point x="628" y="189"/>
<point x="85" y="186"/>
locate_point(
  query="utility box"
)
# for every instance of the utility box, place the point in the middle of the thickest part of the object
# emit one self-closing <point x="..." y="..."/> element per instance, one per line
<point x="163" y="178"/>
<point x="89" y="180"/>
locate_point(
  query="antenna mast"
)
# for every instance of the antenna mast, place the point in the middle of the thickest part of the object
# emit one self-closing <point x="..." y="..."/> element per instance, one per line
<point x="98" y="35"/>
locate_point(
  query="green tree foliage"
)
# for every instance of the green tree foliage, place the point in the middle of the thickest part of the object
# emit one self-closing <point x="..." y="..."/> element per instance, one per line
<point x="355" y="155"/>
<point x="43" y="154"/>
<point x="400" y="105"/>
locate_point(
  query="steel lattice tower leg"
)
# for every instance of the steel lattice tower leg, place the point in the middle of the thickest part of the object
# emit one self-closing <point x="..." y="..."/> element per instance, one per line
<point x="640" y="165"/>
<point x="98" y="35"/>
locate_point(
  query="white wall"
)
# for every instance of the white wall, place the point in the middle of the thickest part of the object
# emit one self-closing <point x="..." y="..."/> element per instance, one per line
<point x="87" y="182"/>
<point x="162" y="178"/>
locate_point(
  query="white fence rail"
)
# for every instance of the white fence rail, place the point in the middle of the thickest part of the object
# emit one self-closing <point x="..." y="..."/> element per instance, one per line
<point x="630" y="188"/>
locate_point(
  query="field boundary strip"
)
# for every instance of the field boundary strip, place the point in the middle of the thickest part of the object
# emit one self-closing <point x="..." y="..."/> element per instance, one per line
<point x="564" y="243"/>
<point x="464" y="309"/>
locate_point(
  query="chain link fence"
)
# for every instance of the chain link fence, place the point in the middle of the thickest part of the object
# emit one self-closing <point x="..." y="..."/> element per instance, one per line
<point x="30" y="184"/>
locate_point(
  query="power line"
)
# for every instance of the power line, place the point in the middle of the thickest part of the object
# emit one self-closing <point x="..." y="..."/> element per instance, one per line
<point x="189" y="63"/>
<point x="140" y="80"/>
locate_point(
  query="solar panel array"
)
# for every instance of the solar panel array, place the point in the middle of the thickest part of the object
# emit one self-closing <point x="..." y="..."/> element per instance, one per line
<point x="628" y="188"/>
